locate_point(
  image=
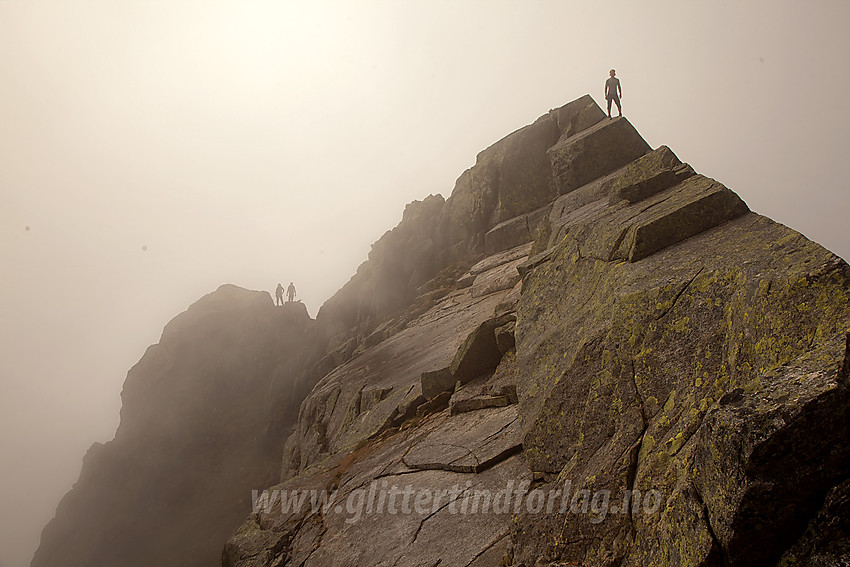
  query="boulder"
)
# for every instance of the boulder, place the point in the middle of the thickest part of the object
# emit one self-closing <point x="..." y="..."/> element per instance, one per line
<point x="513" y="176"/>
<point x="465" y="280"/>
<point x="651" y="174"/>
<point x="478" y="403"/>
<point x="435" y="404"/>
<point x="486" y="391"/>
<point x="496" y="260"/>
<point x="622" y="231"/>
<point x="436" y="382"/>
<point x="504" y="277"/>
<point x="505" y="337"/>
<point x="479" y="353"/>
<point x="594" y="153"/>
<point x="514" y="232"/>
<point x="470" y="442"/>
<point x="700" y="203"/>
<point x="476" y="356"/>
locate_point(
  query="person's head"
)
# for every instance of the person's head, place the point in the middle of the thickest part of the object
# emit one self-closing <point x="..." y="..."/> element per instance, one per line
<point x="612" y="72"/>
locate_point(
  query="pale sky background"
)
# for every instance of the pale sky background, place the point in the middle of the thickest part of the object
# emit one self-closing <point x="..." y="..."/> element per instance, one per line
<point x="151" y="150"/>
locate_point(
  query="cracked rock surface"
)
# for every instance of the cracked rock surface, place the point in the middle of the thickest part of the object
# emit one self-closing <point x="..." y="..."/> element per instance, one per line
<point x="588" y="355"/>
<point x="470" y="442"/>
<point x="666" y="352"/>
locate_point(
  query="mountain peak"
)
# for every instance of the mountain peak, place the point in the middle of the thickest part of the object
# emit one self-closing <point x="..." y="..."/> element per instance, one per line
<point x="588" y="354"/>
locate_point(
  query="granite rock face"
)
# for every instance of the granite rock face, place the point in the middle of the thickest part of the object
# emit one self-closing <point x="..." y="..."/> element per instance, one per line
<point x="671" y="352"/>
<point x="593" y="152"/>
<point x="375" y="390"/>
<point x="628" y="392"/>
<point x="513" y="176"/>
<point x="588" y="354"/>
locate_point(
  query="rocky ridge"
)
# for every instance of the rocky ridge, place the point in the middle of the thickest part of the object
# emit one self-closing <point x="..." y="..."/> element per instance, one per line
<point x="645" y="334"/>
<point x="584" y="319"/>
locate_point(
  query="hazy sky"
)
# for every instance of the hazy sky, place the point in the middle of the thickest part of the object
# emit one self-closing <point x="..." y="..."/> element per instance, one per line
<point x="152" y="150"/>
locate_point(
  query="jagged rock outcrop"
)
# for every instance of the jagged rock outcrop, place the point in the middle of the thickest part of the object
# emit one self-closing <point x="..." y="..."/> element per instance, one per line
<point x="436" y="236"/>
<point x="670" y="351"/>
<point x="588" y="354"/>
<point x="513" y="176"/>
<point x="202" y="419"/>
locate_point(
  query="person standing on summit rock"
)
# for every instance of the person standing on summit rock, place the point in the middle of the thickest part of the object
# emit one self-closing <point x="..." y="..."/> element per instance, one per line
<point x="290" y="292"/>
<point x="613" y="92"/>
<point x="278" y="294"/>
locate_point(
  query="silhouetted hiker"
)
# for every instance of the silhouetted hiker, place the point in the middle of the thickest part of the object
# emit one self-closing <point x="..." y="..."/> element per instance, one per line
<point x="613" y="92"/>
<point x="278" y="294"/>
<point x="290" y="292"/>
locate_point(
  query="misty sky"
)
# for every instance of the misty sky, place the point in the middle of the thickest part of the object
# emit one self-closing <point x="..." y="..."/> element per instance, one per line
<point x="153" y="150"/>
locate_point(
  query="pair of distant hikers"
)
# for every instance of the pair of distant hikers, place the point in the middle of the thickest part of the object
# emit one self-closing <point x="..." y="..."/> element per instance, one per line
<point x="290" y="292"/>
<point x="613" y="92"/>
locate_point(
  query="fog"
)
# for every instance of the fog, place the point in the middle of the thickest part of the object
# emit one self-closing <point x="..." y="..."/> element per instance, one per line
<point x="151" y="151"/>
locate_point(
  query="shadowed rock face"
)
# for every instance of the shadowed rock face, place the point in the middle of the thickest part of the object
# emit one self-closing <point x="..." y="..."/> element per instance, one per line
<point x="203" y="414"/>
<point x="587" y="355"/>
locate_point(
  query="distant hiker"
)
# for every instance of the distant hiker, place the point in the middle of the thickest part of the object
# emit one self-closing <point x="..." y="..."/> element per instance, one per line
<point x="290" y="292"/>
<point x="613" y="92"/>
<point x="278" y="294"/>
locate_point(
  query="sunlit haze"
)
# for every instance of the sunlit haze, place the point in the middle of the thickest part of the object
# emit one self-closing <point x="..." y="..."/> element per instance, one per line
<point x="151" y="151"/>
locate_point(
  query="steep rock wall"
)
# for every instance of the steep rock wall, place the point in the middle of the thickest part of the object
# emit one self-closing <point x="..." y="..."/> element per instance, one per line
<point x="203" y="415"/>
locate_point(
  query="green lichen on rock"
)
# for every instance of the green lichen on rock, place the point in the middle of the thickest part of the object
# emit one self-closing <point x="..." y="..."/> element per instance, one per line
<point x="651" y="174"/>
<point x="629" y="358"/>
<point x="595" y="152"/>
<point x="675" y="366"/>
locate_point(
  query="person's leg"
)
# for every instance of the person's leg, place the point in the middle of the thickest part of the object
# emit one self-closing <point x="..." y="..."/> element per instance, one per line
<point x="619" y="107"/>
<point x="609" y="107"/>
